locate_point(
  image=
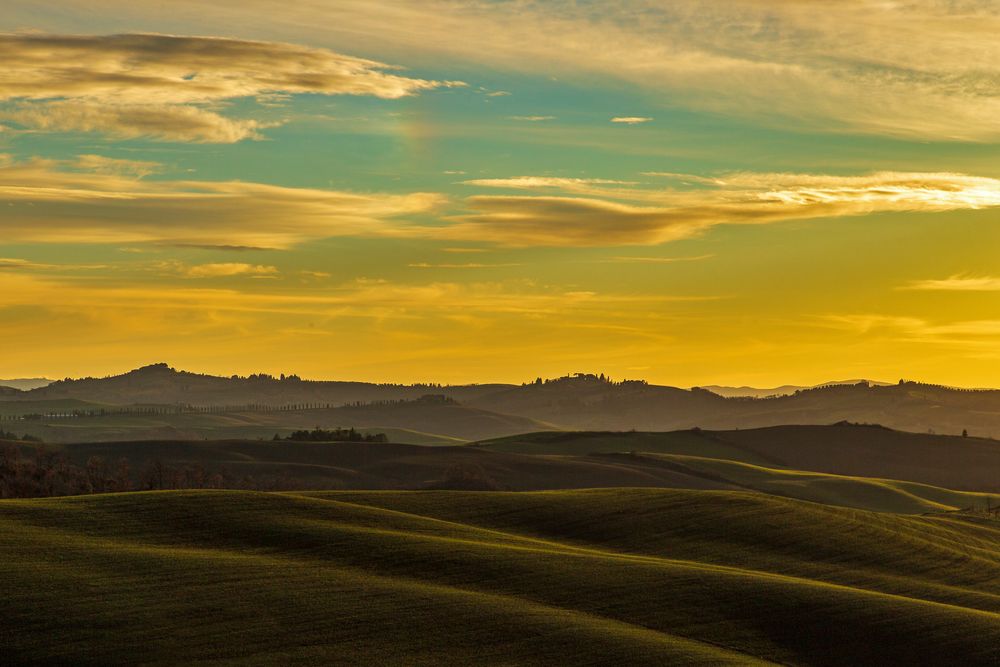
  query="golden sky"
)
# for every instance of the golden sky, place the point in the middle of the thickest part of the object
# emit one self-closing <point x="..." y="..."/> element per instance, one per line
<point x="728" y="193"/>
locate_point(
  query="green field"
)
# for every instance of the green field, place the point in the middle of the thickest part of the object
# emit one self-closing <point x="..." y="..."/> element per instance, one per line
<point x="582" y="577"/>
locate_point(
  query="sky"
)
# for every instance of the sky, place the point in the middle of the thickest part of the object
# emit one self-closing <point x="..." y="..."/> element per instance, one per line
<point x="751" y="192"/>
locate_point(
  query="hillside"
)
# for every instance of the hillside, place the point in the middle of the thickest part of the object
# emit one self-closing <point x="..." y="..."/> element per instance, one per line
<point x="849" y="466"/>
<point x="593" y="577"/>
<point x="843" y="449"/>
<point x="352" y="465"/>
<point x="425" y="421"/>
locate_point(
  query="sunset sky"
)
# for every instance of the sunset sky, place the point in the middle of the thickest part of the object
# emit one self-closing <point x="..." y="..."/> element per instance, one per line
<point x="693" y="193"/>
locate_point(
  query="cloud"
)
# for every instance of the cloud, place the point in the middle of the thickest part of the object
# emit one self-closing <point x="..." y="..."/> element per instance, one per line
<point x="19" y="264"/>
<point x="359" y="297"/>
<point x="863" y="323"/>
<point x="167" y="122"/>
<point x="226" y="269"/>
<point x="44" y="202"/>
<point x="149" y="85"/>
<point x="629" y="259"/>
<point x="957" y="284"/>
<point x="468" y="265"/>
<point x="806" y="64"/>
<point x="531" y="119"/>
<point x="631" y="120"/>
<point x="975" y="335"/>
<point x="684" y="178"/>
<point x="55" y="201"/>
<point x="653" y="217"/>
<point x="532" y="182"/>
<point x="100" y="164"/>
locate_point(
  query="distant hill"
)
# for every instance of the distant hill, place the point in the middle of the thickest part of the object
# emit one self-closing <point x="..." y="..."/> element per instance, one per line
<point x="427" y="420"/>
<point x="580" y="402"/>
<point x="783" y="390"/>
<point x="26" y="384"/>
<point x="588" y="403"/>
<point x="159" y="383"/>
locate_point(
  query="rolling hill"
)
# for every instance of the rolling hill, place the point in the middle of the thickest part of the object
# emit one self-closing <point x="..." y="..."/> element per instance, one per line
<point x="585" y="577"/>
<point x="850" y="466"/>
<point x="971" y="464"/>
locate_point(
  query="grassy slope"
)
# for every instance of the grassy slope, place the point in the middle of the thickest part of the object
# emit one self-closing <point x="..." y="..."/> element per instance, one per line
<point x="22" y="407"/>
<point x="396" y="466"/>
<point x="692" y="443"/>
<point x="882" y="495"/>
<point x="586" y="577"/>
<point x="954" y="462"/>
<point x="384" y="466"/>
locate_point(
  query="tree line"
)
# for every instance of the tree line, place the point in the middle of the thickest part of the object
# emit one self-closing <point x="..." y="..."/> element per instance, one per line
<point x="41" y="473"/>
<point x="333" y="435"/>
<point x="159" y="410"/>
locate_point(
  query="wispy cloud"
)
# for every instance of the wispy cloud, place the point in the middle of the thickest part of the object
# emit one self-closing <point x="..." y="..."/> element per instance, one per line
<point x="228" y="269"/>
<point x="50" y="201"/>
<point x="957" y="284"/>
<point x="167" y="122"/>
<point x="531" y="119"/>
<point x="629" y="259"/>
<point x="979" y="335"/>
<point x="653" y="217"/>
<point x="820" y="65"/>
<point x="146" y="85"/>
<point x="631" y="120"/>
<point x="684" y="178"/>
<point x="19" y="264"/>
<point x="58" y="201"/>
<point x="100" y="164"/>
<point x="466" y="265"/>
<point x="533" y="182"/>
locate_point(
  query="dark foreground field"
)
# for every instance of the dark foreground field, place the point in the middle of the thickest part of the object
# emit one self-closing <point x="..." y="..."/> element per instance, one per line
<point x="641" y="576"/>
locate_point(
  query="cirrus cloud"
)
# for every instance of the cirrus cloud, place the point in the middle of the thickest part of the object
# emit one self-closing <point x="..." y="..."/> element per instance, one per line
<point x="636" y="216"/>
<point x="805" y="64"/>
<point x="631" y="120"/>
<point x="48" y="201"/>
<point x="228" y="269"/>
<point x="957" y="284"/>
<point x="150" y="85"/>
<point x="93" y="200"/>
